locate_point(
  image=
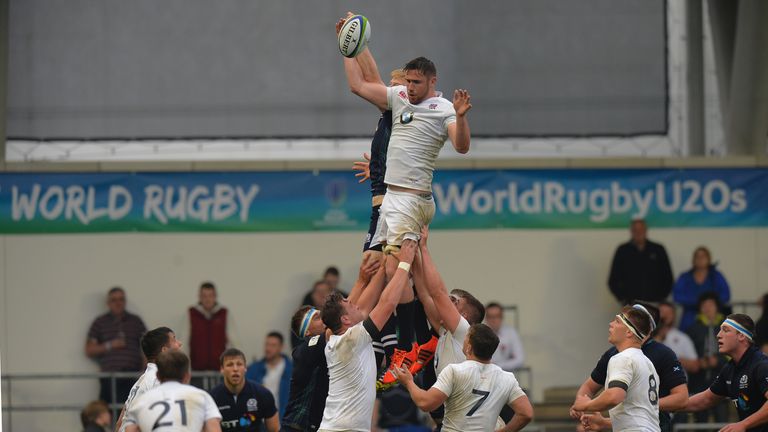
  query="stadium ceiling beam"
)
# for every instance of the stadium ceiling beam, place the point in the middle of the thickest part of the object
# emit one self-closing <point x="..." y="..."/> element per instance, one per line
<point x="740" y="40"/>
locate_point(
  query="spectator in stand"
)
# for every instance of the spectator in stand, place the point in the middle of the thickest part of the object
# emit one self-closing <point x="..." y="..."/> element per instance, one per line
<point x="210" y="331"/>
<point x="96" y="417"/>
<point x="640" y="269"/>
<point x="509" y="355"/>
<point x="701" y="278"/>
<point x="316" y="296"/>
<point x="703" y="331"/>
<point x="331" y="276"/>
<point x="761" y="327"/>
<point x="677" y="341"/>
<point x="113" y="341"/>
<point x="273" y="371"/>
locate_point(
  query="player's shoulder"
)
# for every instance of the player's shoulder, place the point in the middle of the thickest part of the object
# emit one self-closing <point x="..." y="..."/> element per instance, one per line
<point x="657" y="351"/>
<point x="254" y="389"/>
<point x="399" y="92"/>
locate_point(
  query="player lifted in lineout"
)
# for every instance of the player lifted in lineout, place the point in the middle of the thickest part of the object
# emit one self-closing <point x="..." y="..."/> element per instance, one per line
<point x="422" y="120"/>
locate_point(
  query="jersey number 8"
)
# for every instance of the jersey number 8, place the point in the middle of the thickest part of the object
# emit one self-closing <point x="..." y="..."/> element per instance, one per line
<point x="653" y="394"/>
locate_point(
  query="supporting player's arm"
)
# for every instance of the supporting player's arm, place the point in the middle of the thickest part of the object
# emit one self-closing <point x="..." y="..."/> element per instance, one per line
<point x="676" y="400"/>
<point x="759" y="417"/>
<point x="459" y="131"/>
<point x="608" y="399"/>
<point x="702" y="401"/>
<point x="588" y="388"/>
<point x="394" y="289"/>
<point x="365" y="279"/>
<point x="523" y="415"/>
<point x="213" y="425"/>
<point x="449" y="315"/>
<point x="426" y="400"/>
<point x="419" y="282"/>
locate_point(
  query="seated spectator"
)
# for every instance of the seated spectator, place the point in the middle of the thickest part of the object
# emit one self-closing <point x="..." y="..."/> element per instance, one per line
<point x="701" y="278"/>
<point x="273" y="371"/>
<point x="679" y="342"/>
<point x="113" y="341"/>
<point x="761" y="326"/>
<point x="96" y="417"/>
<point x="703" y="331"/>
<point x="509" y="355"/>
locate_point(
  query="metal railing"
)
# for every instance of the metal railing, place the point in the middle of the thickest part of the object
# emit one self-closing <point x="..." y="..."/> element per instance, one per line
<point x="208" y="380"/>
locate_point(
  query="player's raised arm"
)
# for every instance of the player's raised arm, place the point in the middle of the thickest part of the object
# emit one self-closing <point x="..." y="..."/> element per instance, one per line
<point x="394" y="289"/>
<point x="373" y="92"/>
<point x="419" y="283"/>
<point x="459" y="130"/>
<point x="449" y="315"/>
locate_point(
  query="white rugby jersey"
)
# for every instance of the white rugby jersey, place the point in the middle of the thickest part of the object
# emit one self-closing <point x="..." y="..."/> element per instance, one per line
<point x="172" y="406"/>
<point x="476" y="394"/>
<point x="450" y="346"/>
<point x="418" y="133"/>
<point x="351" y="381"/>
<point x="146" y="382"/>
<point x="640" y="409"/>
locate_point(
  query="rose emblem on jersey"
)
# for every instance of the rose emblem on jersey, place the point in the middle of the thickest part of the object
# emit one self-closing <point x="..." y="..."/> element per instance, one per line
<point x="252" y="404"/>
<point x="406" y="117"/>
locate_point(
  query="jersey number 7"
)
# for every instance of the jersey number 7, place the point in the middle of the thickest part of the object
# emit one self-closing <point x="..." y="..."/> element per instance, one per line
<point x="479" y="403"/>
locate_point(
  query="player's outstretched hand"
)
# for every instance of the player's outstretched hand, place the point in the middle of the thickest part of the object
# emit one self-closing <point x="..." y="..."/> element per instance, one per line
<point x="424" y="235"/>
<point x="461" y="102"/>
<point x="341" y="22"/>
<point x="407" y="251"/>
<point x="403" y="375"/>
<point x="364" y="167"/>
<point x="370" y="265"/>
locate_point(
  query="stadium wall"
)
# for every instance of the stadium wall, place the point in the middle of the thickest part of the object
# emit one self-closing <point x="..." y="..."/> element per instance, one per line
<point x="52" y="287"/>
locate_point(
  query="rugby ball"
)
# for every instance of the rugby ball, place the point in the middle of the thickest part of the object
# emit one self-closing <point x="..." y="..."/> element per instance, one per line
<point x="354" y="36"/>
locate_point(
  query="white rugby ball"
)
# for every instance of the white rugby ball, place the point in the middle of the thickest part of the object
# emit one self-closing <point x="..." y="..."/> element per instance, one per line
<point x="354" y="36"/>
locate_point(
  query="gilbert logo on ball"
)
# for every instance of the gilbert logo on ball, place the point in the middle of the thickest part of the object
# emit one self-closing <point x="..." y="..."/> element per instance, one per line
<point x="354" y="36"/>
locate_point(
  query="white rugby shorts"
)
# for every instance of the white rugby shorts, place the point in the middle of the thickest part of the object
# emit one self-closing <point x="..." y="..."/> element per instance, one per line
<point x="402" y="216"/>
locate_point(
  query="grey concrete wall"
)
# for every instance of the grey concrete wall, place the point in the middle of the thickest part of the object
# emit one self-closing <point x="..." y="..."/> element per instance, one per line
<point x="185" y="68"/>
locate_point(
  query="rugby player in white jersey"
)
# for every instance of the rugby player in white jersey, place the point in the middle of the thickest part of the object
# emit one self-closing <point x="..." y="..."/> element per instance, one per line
<point x="349" y="350"/>
<point x="173" y="405"/>
<point x="422" y="120"/>
<point x="153" y="343"/>
<point x="474" y="391"/>
<point x="631" y="386"/>
<point x="450" y="315"/>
